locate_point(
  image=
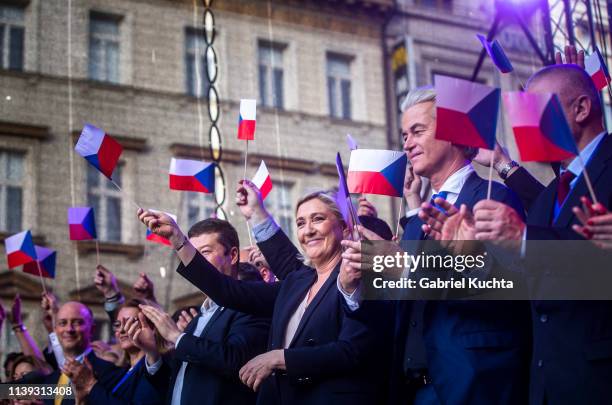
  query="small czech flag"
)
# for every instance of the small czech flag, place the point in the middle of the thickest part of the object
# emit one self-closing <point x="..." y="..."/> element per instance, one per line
<point x="20" y="249"/>
<point x="496" y="53"/>
<point x="81" y="223"/>
<point x="262" y="180"/>
<point x="99" y="149"/>
<point x="156" y="238"/>
<point x="246" y="121"/>
<point x="540" y="128"/>
<point x="596" y="67"/>
<point x="192" y="175"/>
<point x="46" y="260"/>
<point x="374" y="171"/>
<point x="466" y="112"/>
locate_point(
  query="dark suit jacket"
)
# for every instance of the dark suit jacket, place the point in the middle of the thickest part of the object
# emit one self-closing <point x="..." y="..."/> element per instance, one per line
<point x="228" y="341"/>
<point x="572" y="347"/>
<point x="107" y="374"/>
<point x="330" y="357"/>
<point x="476" y="352"/>
<point x="135" y="389"/>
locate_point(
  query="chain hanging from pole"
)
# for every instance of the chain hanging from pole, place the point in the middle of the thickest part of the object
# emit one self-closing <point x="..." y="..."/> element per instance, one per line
<point x="214" y="106"/>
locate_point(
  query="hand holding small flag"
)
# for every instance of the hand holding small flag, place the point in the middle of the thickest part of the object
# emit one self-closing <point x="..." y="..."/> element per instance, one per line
<point x="250" y="202"/>
<point x="161" y="224"/>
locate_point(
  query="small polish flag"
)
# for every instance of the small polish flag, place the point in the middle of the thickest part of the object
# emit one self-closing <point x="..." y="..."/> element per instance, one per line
<point x="192" y="175"/>
<point x="156" y="238"/>
<point x="20" y="249"/>
<point x="596" y="67"/>
<point x="262" y="180"/>
<point x="246" y="121"/>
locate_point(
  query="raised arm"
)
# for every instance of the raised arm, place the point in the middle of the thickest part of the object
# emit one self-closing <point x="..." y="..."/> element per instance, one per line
<point x="280" y="253"/>
<point x="251" y="297"/>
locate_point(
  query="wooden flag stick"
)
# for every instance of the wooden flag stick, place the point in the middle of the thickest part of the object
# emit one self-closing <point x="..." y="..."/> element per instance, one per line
<point x="121" y="190"/>
<point x="97" y="253"/>
<point x="587" y="179"/>
<point x="490" y="176"/>
<point x="399" y="217"/>
<point x="246" y="158"/>
<point x="40" y="276"/>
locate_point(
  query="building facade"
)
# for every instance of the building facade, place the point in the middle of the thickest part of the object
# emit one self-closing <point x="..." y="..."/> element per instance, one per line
<point x="142" y="72"/>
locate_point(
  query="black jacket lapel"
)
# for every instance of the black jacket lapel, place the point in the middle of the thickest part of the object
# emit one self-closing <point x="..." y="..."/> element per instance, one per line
<point x="325" y="288"/>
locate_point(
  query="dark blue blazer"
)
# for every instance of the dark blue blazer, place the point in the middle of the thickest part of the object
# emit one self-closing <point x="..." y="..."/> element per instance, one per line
<point x="133" y="388"/>
<point x="107" y="374"/>
<point x="572" y="340"/>
<point x="329" y="360"/>
<point x="228" y="341"/>
<point x="477" y="352"/>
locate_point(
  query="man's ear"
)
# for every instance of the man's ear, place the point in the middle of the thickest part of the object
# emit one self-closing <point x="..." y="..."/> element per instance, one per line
<point x="235" y="255"/>
<point x="582" y="109"/>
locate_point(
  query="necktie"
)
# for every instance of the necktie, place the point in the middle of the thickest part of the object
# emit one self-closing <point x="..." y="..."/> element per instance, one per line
<point x="441" y="194"/>
<point x="563" y="187"/>
<point x="63" y="380"/>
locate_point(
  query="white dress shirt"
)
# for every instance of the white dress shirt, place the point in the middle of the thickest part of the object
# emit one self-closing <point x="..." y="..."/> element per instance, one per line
<point x="207" y="310"/>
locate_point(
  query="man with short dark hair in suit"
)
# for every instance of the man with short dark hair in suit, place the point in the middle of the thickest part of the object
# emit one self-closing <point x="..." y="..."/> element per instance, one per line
<point x="459" y="352"/>
<point x="204" y="366"/>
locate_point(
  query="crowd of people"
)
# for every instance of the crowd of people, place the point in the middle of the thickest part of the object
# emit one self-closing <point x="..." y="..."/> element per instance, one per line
<point x="280" y="326"/>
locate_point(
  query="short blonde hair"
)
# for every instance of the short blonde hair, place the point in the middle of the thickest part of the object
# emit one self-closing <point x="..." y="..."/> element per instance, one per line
<point x="327" y="197"/>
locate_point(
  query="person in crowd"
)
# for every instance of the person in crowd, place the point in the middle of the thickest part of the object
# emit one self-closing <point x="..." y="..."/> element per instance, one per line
<point x="183" y="316"/>
<point x="8" y="364"/>
<point x="248" y="272"/>
<point x="466" y="352"/>
<point x="74" y="327"/>
<point x="316" y="355"/>
<point x="257" y="259"/>
<point x="25" y="364"/>
<point x="570" y="350"/>
<point x="28" y="345"/>
<point x="106" y="282"/>
<point x="133" y="387"/>
<point x="208" y="354"/>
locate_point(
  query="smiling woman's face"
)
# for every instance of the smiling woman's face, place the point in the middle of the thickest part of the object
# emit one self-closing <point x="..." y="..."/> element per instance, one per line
<point x="319" y="230"/>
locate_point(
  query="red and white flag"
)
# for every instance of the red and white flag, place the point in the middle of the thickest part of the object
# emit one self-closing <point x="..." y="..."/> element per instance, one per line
<point x="262" y="180"/>
<point x="596" y="67"/>
<point x="246" y="120"/>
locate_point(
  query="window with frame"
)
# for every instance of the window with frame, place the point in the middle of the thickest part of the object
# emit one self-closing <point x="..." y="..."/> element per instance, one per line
<point x="12" y="33"/>
<point x="270" y="57"/>
<point x="104" y="47"/>
<point x="196" y="63"/>
<point x="105" y="198"/>
<point x="197" y="206"/>
<point x="12" y="167"/>
<point x="279" y="205"/>
<point x="339" y="85"/>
